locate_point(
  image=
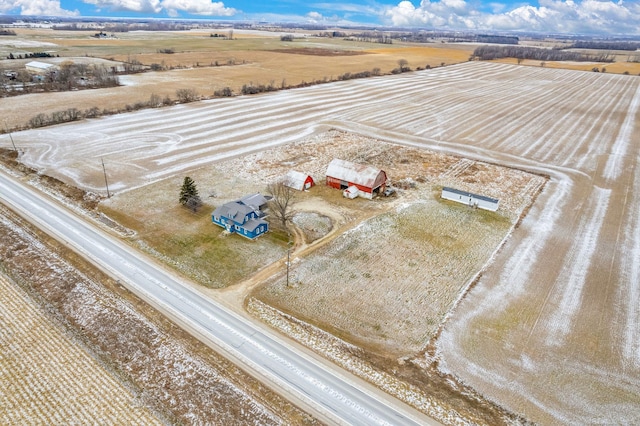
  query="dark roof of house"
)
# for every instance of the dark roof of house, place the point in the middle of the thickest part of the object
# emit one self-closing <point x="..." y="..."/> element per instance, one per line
<point x="252" y="224"/>
<point x="233" y="210"/>
<point x="470" y="194"/>
<point x="256" y="201"/>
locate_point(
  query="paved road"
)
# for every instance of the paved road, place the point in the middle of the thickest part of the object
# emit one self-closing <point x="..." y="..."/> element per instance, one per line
<point x="311" y="383"/>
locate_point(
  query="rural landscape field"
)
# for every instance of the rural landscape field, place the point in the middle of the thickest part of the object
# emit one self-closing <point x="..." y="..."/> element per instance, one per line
<point x="530" y="312"/>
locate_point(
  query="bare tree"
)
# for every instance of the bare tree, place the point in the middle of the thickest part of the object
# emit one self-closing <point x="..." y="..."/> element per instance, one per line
<point x="403" y="64"/>
<point x="186" y="95"/>
<point x="282" y="201"/>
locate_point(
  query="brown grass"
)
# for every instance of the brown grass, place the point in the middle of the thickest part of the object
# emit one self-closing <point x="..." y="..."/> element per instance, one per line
<point x="255" y="59"/>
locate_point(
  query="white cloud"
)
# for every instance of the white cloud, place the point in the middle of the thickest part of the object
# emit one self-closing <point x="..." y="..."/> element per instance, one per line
<point x="315" y="16"/>
<point x="197" y="7"/>
<point x="146" y="6"/>
<point x="566" y="16"/>
<point x="36" y="7"/>
<point x="171" y="7"/>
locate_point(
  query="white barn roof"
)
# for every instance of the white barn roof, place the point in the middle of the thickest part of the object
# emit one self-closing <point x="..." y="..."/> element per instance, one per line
<point x="295" y="179"/>
<point x="360" y="174"/>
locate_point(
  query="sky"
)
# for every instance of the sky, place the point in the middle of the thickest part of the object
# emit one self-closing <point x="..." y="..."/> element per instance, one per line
<point x="603" y="17"/>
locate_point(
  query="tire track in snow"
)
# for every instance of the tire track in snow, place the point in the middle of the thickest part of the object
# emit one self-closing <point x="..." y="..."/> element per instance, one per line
<point x="537" y="109"/>
<point x="572" y="278"/>
<point x="630" y="273"/>
<point x="498" y="123"/>
<point x="549" y="139"/>
<point x="614" y="164"/>
<point x="569" y="136"/>
<point x="604" y="124"/>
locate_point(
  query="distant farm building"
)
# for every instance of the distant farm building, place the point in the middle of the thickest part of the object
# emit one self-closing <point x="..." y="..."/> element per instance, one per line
<point x="472" y="200"/>
<point x="243" y="216"/>
<point x="298" y="180"/>
<point x="368" y="180"/>
<point x="39" y="67"/>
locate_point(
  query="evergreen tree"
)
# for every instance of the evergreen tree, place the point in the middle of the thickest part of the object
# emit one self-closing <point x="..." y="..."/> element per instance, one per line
<point x="189" y="194"/>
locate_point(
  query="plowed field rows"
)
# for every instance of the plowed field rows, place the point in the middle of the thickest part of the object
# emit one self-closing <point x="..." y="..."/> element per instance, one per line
<point x="556" y="116"/>
<point x="47" y="378"/>
<point x="552" y="328"/>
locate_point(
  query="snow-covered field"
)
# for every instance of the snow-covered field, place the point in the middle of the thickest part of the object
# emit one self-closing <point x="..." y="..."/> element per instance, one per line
<point x="551" y="328"/>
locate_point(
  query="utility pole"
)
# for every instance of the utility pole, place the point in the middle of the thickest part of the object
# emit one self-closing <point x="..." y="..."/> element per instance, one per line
<point x="105" y="178"/>
<point x="289" y="244"/>
<point x="10" y="137"/>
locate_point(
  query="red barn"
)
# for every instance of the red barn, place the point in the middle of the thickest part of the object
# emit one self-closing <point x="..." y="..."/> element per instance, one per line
<point x="342" y="174"/>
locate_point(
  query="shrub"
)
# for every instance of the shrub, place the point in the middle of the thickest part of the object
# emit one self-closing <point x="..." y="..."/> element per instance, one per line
<point x="186" y="95"/>
<point x="223" y="93"/>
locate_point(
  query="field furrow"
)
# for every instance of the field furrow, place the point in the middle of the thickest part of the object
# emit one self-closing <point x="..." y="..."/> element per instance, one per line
<point x="571" y="280"/>
<point x="47" y="378"/>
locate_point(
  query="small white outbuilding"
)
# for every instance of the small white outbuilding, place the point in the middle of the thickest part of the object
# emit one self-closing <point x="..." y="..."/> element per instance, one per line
<point x="39" y="67"/>
<point x="351" y="192"/>
<point x="298" y="180"/>
<point x="472" y="200"/>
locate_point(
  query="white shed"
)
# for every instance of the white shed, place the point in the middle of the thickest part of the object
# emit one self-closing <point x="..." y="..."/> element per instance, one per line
<point x="298" y="180"/>
<point x="472" y="200"/>
<point x="351" y="192"/>
<point x="38" y="67"/>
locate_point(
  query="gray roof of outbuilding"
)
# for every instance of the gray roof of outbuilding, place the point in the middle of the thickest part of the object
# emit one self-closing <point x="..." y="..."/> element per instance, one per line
<point x="470" y="194"/>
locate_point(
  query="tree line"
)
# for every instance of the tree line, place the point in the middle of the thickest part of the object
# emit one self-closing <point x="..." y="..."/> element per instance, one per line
<point x="487" y="53"/>
<point x="31" y="55"/>
<point x="606" y="45"/>
<point x="126" y="27"/>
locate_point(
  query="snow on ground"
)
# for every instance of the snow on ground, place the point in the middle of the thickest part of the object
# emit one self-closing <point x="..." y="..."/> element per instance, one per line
<point x="47" y="377"/>
<point x="429" y="250"/>
<point x="24" y="44"/>
<point x="582" y="128"/>
<point x="47" y="380"/>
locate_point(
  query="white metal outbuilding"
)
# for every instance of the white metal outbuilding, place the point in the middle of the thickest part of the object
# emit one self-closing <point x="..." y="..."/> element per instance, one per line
<point x="472" y="200"/>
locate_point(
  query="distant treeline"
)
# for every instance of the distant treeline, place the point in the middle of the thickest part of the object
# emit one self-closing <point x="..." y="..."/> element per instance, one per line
<point x="126" y="27"/>
<point x="497" y="39"/>
<point x="430" y="37"/>
<point x="367" y="37"/>
<point x="31" y="55"/>
<point x="606" y="45"/>
<point x="487" y="53"/>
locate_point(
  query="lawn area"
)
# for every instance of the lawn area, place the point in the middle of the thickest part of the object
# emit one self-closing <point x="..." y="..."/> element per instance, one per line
<point x="388" y="283"/>
<point x="189" y="241"/>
